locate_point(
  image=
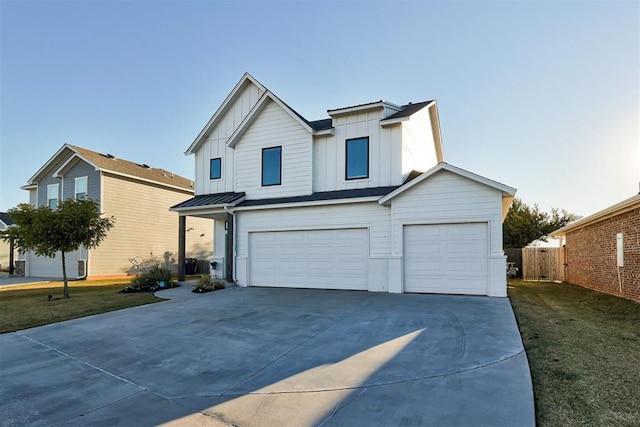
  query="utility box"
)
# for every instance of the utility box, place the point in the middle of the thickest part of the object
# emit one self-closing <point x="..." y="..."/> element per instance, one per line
<point x="620" y="249"/>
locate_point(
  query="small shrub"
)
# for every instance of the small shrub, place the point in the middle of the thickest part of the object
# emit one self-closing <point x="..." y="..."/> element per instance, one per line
<point x="205" y="283"/>
<point x="160" y="274"/>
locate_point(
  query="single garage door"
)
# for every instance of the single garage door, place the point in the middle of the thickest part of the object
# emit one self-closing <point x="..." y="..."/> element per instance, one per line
<point x="40" y="266"/>
<point x="446" y="258"/>
<point x="323" y="259"/>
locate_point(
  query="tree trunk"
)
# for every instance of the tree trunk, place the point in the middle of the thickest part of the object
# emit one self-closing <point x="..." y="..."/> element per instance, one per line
<point x="64" y="275"/>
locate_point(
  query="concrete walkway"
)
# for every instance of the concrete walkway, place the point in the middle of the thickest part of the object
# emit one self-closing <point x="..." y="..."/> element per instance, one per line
<point x="274" y="357"/>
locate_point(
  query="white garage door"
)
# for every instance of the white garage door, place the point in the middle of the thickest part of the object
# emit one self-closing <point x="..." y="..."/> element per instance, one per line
<point x="52" y="267"/>
<point x="323" y="259"/>
<point x="446" y="258"/>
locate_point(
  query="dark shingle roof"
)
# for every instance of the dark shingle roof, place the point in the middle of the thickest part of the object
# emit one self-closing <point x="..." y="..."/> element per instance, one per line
<point x="210" y="200"/>
<point x="4" y="217"/>
<point x="409" y="109"/>
<point x="323" y="195"/>
<point x="321" y="124"/>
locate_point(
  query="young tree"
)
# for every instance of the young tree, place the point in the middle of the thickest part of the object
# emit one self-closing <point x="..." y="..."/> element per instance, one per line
<point x="525" y="223"/>
<point x="47" y="231"/>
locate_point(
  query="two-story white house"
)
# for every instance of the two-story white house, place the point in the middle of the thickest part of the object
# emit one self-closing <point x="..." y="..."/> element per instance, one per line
<point x="361" y="200"/>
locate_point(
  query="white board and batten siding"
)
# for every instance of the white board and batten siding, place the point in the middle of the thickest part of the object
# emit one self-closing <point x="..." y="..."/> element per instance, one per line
<point x="448" y="205"/>
<point x="342" y="246"/>
<point x="274" y="127"/>
<point x="216" y="143"/>
<point x="384" y="153"/>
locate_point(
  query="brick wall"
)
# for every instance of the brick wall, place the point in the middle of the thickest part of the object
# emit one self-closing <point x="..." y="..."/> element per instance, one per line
<point x="591" y="255"/>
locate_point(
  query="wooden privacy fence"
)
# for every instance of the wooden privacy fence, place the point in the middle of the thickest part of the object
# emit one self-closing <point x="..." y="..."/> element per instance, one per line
<point x="543" y="264"/>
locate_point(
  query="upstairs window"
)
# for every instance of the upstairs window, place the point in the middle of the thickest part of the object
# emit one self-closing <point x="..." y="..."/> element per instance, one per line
<point x="215" y="168"/>
<point x="81" y="188"/>
<point x="271" y="166"/>
<point x="357" y="158"/>
<point x="52" y="196"/>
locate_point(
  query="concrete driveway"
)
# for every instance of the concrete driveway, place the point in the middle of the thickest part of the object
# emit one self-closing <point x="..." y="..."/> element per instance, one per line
<point x="274" y="357"/>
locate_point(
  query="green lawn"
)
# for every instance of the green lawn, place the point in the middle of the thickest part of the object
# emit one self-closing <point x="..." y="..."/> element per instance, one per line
<point x="28" y="306"/>
<point x="584" y="352"/>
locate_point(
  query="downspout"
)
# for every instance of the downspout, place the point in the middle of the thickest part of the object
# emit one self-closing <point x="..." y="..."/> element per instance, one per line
<point x="233" y="249"/>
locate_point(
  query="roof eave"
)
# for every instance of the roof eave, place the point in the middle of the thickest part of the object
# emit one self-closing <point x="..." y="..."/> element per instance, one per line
<point x="255" y="111"/>
<point x="617" y="209"/>
<point x="505" y="189"/>
<point x="221" y="110"/>
<point x="216" y="206"/>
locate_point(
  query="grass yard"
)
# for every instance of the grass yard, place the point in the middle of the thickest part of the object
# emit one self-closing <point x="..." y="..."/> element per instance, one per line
<point x="584" y="351"/>
<point x="28" y="306"/>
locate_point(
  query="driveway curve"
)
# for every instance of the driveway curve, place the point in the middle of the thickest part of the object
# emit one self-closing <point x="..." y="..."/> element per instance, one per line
<point x="256" y="356"/>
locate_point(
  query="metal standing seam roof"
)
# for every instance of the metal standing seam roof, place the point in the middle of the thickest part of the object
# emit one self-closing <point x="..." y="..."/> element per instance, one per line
<point x="215" y="199"/>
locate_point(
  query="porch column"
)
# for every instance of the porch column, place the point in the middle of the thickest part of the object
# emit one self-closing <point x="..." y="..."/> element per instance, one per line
<point x="182" y="227"/>
<point x="228" y="249"/>
<point x="11" y="260"/>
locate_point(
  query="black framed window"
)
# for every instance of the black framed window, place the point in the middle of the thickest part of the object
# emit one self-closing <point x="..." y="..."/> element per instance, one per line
<point x="271" y="166"/>
<point x="357" y="158"/>
<point x="215" y="168"/>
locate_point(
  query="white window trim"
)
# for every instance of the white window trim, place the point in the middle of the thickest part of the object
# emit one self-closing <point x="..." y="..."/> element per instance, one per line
<point x="75" y="187"/>
<point x="57" y="187"/>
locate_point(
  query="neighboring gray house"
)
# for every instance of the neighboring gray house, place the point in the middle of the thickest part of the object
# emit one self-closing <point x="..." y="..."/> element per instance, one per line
<point x="5" y="250"/>
<point x="360" y="200"/>
<point x="136" y="194"/>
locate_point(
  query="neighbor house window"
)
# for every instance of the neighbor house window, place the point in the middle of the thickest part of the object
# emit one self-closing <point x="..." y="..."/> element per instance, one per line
<point x="81" y="188"/>
<point x="357" y="163"/>
<point x="271" y="166"/>
<point x="52" y="195"/>
<point x="215" y="168"/>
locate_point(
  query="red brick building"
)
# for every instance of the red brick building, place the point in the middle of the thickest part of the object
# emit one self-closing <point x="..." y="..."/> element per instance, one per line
<point x="602" y="251"/>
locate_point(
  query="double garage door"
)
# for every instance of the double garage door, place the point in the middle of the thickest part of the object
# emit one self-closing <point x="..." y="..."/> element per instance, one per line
<point x="323" y="259"/>
<point x="437" y="258"/>
<point x="446" y="258"/>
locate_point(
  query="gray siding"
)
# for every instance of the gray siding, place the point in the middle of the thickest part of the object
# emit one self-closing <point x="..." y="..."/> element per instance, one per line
<point x="47" y="179"/>
<point x="80" y="169"/>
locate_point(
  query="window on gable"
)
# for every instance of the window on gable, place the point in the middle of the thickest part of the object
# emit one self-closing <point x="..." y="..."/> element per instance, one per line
<point x="81" y="188"/>
<point x="271" y="166"/>
<point x="215" y="168"/>
<point x="357" y="158"/>
<point x="52" y="195"/>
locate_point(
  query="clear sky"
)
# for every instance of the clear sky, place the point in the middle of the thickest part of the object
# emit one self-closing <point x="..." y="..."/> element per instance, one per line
<point x="541" y="96"/>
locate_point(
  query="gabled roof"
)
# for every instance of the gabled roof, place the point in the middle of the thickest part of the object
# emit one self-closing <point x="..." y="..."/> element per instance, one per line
<point x="114" y="165"/>
<point x="226" y="104"/>
<point x="622" y="207"/>
<point x="507" y="192"/>
<point x="255" y="112"/>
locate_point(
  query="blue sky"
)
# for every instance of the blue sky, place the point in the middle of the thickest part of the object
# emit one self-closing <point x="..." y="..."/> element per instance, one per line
<point x="542" y="96"/>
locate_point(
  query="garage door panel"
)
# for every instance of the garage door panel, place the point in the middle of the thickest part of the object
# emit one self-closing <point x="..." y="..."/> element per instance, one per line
<point x="446" y="258"/>
<point x="331" y="259"/>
